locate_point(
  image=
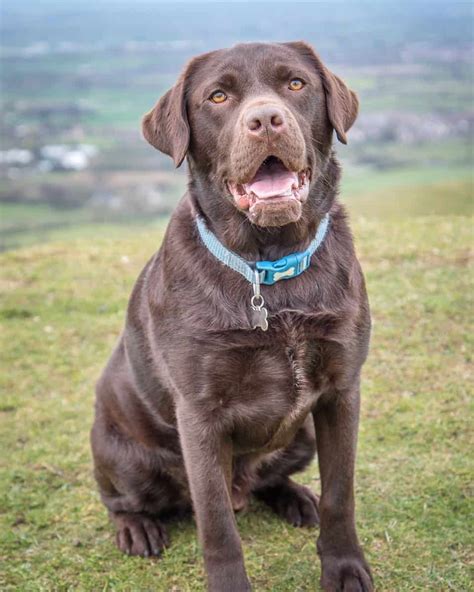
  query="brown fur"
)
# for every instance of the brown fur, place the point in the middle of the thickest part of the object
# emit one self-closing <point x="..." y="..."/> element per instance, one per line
<point x="195" y="407"/>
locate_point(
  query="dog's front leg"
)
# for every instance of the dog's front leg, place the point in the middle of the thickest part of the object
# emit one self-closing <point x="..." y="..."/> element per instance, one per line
<point x="336" y="421"/>
<point x="208" y="459"/>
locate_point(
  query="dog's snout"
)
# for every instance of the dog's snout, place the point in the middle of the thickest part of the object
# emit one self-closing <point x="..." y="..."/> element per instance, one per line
<point x="265" y="120"/>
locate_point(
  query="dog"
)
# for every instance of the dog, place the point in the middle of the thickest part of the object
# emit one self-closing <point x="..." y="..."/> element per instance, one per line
<point x="246" y="332"/>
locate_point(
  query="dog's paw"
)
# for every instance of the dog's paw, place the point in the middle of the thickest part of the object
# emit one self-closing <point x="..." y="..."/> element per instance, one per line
<point x="295" y="503"/>
<point x="138" y="534"/>
<point x="345" y="574"/>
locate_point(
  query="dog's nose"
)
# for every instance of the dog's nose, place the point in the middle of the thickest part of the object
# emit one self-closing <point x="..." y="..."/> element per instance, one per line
<point x="265" y="121"/>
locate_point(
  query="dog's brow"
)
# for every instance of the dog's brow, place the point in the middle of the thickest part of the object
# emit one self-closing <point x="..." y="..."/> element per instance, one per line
<point x="285" y="71"/>
<point x="224" y="81"/>
<point x="227" y="79"/>
<point x="282" y="70"/>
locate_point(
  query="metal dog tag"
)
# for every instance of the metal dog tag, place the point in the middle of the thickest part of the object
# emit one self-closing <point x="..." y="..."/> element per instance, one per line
<point x="259" y="318"/>
<point x="257" y="304"/>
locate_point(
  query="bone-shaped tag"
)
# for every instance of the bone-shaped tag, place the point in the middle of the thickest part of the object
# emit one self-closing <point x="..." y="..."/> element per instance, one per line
<point x="259" y="318"/>
<point x="290" y="272"/>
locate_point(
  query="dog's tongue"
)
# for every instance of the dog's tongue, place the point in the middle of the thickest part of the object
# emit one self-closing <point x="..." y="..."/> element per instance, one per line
<point x="272" y="179"/>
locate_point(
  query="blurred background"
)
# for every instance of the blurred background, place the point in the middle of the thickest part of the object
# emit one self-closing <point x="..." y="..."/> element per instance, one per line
<point x="76" y="77"/>
<point x="83" y="204"/>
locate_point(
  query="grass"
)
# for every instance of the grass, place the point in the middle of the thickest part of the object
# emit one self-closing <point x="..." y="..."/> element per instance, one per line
<point x="27" y="224"/>
<point x="398" y="194"/>
<point x="62" y="308"/>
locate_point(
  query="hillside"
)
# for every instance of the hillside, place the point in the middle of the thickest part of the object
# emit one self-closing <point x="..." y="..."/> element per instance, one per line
<point x="63" y="305"/>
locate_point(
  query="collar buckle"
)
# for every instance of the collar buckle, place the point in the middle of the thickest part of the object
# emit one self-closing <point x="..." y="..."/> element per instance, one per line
<point x="283" y="269"/>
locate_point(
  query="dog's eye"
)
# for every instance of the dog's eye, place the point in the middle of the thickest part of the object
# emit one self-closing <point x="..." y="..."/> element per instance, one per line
<point x="218" y="96"/>
<point x="296" y="84"/>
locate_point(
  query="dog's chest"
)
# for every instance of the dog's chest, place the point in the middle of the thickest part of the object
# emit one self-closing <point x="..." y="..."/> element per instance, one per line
<point x="278" y="385"/>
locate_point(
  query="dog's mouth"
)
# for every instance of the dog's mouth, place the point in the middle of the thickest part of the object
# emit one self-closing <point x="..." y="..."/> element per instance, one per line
<point x="273" y="184"/>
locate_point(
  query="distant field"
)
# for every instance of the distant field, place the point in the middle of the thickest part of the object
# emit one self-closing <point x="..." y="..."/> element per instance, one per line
<point x="22" y="224"/>
<point x="62" y="308"/>
<point x="409" y="192"/>
<point x="368" y="193"/>
<point x="108" y="89"/>
<point x="118" y="87"/>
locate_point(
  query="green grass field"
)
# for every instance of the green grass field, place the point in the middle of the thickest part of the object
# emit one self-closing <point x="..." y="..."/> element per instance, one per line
<point x="25" y="224"/>
<point x="62" y="309"/>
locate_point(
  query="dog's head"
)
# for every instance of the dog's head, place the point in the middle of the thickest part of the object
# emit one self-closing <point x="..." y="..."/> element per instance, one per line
<point x="256" y="121"/>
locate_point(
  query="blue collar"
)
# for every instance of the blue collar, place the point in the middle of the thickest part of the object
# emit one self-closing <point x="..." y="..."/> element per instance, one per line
<point x="265" y="272"/>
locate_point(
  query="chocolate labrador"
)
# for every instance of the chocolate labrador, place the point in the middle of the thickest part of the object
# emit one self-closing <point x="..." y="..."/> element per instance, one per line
<point x="246" y="332"/>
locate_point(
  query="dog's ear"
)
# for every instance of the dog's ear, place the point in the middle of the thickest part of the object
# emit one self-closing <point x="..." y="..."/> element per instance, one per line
<point x="342" y="103"/>
<point x="166" y="126"/>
